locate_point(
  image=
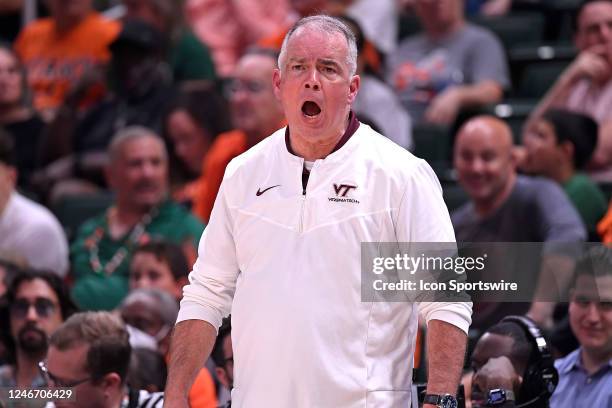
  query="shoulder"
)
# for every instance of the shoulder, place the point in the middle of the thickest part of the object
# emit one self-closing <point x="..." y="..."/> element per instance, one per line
<point x="534" y="187"/>
<point x="463" y="215"/>
<point x="35" y="215"/>
<point x="564" y="364"/>
<point x="38" y="27"/>
<point x="98" y="24"/>
<point x="150" y="399"/>
<point x="473" y="32"/>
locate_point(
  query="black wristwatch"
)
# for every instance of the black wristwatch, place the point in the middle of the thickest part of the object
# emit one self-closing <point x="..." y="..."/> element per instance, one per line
<point x="441" y="401"/>
<point x="499" y="396"/>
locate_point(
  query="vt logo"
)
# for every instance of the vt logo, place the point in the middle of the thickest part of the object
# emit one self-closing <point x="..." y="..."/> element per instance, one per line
<point x="343" y="189"/>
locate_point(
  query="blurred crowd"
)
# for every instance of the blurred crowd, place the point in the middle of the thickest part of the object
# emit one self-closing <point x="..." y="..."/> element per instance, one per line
<point x="119" y="117"/>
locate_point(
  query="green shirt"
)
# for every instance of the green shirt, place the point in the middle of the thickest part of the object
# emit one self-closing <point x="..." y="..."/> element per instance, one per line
<point x="587" y="198"/>
<point x="94" y="290"/>
<point x="190" y="59"/>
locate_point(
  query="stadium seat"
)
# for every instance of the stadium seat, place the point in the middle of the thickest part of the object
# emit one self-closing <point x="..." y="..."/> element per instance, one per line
<point x="525" y="28"/>
<point x="433" y="143"/>
<point x="73" y="210"/>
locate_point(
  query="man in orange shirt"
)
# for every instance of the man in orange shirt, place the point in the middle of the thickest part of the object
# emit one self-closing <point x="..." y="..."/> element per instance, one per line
<point x="255" y="114"/>
<point x="64" y="53"/>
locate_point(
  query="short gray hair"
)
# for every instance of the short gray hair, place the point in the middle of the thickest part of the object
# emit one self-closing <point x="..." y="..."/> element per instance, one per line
<point x="327" y="25"/>
<point x="127" y="135"/>
<point x="162" y="303"/>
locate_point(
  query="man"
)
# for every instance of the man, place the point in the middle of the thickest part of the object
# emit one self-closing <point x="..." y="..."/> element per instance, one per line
<point x="223" y="356"/>
<point x="63" y="50"/>
<point x="255" y="114"/>
<point x="138" y="173"/>
<point x="586" y="85"/>
<point x="505" y="207"/>
<point x="558" y="146"/>
<point x="27" y="229"/>
<point x="90" y="354"/>
<point x="38" y="303"/>
<point x="585" y="375"/>
<point x="510" y="358"/>
<point x="280" y="227"/>
<point x="450" y="66"/>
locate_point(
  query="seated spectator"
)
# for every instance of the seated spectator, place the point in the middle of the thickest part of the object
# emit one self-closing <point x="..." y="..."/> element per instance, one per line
<point x="17" y="117"/>
<point x="90" y="353"/>
<point x="189" y="59"/>
<point x="154" y="312"/>
<point x="143" y="91"/>
<point x="586" y="84"/>
<point x="223" y="356"/>
<point x="256" y="114"/>
<point x="558" y="146"/>
<point x="38" y="303"/>
<point x="377" y="100"/>
<point x="148" y="370"/>
<point x="486" y="169"/>
<point x="512" y="356"/>
<point x="452" y="65"/>
<point x="585" y="375"/>
<point x="65" y="53"/>
<point x="27" y="229"/>
<point x="138" y="173"/>
<point x="159" y="265"/>
<point x="191" y="125"/>
<point x="230" y="28"/>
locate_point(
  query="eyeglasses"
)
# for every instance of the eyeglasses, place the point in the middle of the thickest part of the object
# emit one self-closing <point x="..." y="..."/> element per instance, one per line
<point x="51" y="379"/>
<point x="44" y="307"/>
<point x="237" y="85"/>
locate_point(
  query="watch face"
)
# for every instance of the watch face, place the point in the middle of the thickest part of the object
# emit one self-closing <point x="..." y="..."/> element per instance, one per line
<point x="448" y="401"/>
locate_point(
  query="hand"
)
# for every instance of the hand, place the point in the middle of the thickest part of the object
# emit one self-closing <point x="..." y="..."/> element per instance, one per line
<point x="444" y="107"/>
<point x="593" y="63"/>
<point x="496" y="7"/>
<point x="498" y="372"/>
<point x="541" y="313"/>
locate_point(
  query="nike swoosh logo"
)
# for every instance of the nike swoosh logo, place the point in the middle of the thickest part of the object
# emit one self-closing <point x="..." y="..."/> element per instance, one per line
<point x="260" y="192"/>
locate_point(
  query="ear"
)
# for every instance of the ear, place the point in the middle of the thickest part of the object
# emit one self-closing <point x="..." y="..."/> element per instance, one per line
<point x="12" y="176"/>
<point x="111" y="381"/>
<point x="222" y="376"/>
<point x="354" y="88"/>
<point x="568" y="149"/>
<point x="180" y="284"/>
<point x="276" y="83"/>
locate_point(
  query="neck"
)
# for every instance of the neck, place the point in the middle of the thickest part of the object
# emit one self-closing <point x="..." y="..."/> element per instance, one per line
<point x="593" y="360"/>
<point x="562" y="173"/>
<point x="439" y="31"/>
<point x="488" y="206"/>
<point x="13" y="113"/>
<point x="312" y="149"/>
<point x="27" y="368"/>
<point x="66" y="23"/>
<point x="4" y="199"/>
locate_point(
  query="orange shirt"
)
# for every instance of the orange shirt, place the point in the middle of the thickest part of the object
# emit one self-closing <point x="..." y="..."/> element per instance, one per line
<point x="225" y="147"/>
<point x="604" y="228"/>
<point x="56" y="62"/>
<point x="202" y="393"/>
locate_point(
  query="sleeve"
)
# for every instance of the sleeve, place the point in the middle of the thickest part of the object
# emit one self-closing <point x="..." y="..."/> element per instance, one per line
<point x="212" y="282"/>
<point x="488" y="61"/>
<point x="557" y="219"/>
<point x="423" y="217"/>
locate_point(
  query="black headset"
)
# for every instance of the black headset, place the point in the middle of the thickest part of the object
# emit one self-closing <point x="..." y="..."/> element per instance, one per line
<point x="541" y="377"/>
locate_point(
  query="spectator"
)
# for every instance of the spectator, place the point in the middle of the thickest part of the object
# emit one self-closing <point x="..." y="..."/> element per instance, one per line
<point x="223" y="356"/>
<point x="159" y="265"/>
<point x="604" y="228"/>
<point x="586" y="85"/>
<point x="64" y="53"/>
<point x="27" y="229"/>
<point x="189" y="59"/>
<point x="8" y="270"/>
<point x="256" y="113"/>
<point x="90" y="353"/>
<point x="229" y="28"/>
<point x="585" y="375"/>
<point x="154" y="312"/>
<point x="377" y="99"/>
<point x="558" y="146"/>
<point x="512" y="356"/>
<point x="143" y="92"/>
<point x="486" y="169"/>
<point x="138" y="174"/>
<point x="148" y="370"/>
<point x="38" y="303"/>
<point x="191" y="125"/>
<point x="452" y="65"/>
<point x="17" y="117"/>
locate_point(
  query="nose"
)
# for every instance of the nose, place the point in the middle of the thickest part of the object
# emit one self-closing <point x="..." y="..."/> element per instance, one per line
<point x="32" y="315"/>
<point x="592" y="313"/>
<point x="312" y="82"/>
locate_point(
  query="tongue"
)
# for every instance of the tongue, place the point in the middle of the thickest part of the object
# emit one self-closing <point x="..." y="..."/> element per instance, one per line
<point x="310" y="108"/>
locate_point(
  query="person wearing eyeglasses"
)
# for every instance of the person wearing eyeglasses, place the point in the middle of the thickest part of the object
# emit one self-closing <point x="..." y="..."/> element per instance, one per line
<point x="255" y="114"/>
<point x="90" y="354"/>
<point x="585" y="375"/>
<point x="38" y="303"/>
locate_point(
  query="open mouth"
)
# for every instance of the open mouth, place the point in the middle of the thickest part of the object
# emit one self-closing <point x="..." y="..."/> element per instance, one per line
<point x="310" y="109"/>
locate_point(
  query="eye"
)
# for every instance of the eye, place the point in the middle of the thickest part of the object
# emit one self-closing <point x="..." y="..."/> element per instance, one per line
<point x="329" y="70"/>
<point x="297" y="67"/>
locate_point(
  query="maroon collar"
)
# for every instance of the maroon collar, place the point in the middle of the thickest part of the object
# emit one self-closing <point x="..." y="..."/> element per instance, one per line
<point x="352" y="127"/>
